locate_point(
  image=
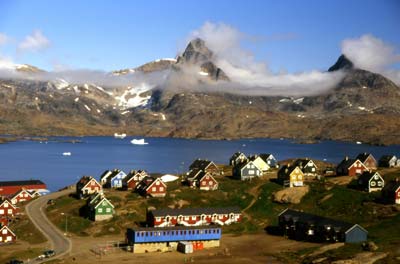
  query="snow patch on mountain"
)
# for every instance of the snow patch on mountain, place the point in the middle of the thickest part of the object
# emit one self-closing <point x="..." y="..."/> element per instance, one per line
<point x="133" y="96"/>
<point x="60" y="83"/>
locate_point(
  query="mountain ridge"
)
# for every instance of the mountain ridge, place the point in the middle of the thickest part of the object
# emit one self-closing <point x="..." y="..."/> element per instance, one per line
<point x="363" y="106"/>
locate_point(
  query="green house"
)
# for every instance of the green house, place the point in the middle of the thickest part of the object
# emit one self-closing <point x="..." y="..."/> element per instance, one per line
<point x="100" y="208"/>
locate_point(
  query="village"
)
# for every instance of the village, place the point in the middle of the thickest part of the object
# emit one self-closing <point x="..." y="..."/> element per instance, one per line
<point x="193" y="212"/>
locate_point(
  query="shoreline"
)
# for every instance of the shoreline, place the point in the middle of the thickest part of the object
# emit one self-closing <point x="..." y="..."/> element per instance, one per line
<point x="306" y="141"/>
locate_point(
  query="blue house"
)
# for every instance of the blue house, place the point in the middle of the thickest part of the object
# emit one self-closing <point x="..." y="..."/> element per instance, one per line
<point x="152" y="239"/>
<point x="270" y="160"/>
<point x="115" y="179"/>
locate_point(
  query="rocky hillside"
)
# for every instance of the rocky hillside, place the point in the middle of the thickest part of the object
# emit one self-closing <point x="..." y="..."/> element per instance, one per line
<point x="364" y="106"/>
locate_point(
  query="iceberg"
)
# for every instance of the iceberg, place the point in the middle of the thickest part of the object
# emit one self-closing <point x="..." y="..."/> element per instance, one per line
<point x="139" y="141"/>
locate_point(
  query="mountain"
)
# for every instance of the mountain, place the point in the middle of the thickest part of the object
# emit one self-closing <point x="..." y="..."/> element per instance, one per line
<point x="364" y="106"/>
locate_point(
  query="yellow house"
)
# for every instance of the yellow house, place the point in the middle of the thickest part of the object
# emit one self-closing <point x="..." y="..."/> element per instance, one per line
<point x="291" y="176"/>
<point x="260" y="163"/>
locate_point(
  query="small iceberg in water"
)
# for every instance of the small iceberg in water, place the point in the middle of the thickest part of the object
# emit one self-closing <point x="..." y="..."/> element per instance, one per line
<point x="67" y="153"/>
<point x="121" y="136"/>
<point x="358" y="142"/>
<point x="139" y="141"/>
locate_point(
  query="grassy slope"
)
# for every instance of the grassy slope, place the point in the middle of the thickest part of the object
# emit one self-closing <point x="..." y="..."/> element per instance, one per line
<point x="335" y="201"/>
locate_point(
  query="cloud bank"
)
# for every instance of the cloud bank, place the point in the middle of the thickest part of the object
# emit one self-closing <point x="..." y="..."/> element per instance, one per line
<point x="36" y="41"/>
<point x="372" y="54"/>
<point x="256" y="77"/>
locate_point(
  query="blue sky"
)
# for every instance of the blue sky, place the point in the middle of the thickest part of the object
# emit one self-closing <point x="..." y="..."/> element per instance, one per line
<point x="287" y="35"/>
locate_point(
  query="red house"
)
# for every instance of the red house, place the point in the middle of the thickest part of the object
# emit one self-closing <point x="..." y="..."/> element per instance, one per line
<point x="368" y="160"/>
<point x="206" y="166"/>
<point x="87" y="185"/>
<point x="391" y="192"/>
<point x="3" y="221"/>
<point x="203" y="180"/>
<point x="22" y="196"/>
<point x="193" y="216"/>
<point x="7" y="209"/>
<point x="350" y="167"/>
<point x="8" y="188"/>
<point x="133" y="178"/>
<point x="6" y="235"/>
<point x="153" y="187"/>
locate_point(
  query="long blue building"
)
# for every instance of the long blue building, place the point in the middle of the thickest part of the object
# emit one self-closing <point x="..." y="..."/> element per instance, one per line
<point x="151" y="239"/>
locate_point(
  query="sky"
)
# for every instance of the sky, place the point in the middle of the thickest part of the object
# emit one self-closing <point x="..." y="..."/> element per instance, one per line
<point x="277" y="37"/>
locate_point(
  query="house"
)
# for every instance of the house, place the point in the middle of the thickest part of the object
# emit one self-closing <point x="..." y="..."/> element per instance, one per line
<point x="290" y="176"/>
<point x="150" y="239"/>
<point x="246" y="171"/>
<point x="8" y="188"/>
<point x="193" y="216"/>
<point x="370" y="181"/>
<point x="350" y="167"/>
<point x="114" y="180"/>
<point x="87" y="185"/>
<point x="100" y="208"/>
<point x="206" y="166"/>
<point x="203" y="180"/>
<point x="6" y="235"/>
<point x="152" y="187"/>
<point x="389" y="161"/>
<point x="237" y="158"/>
<point x="270" y="160"/>
<point x="104" y="177"/>
<point x="7" y="209"/>
<point x="133" y="178"/>
<point x="391" y="192"/>
<point x="304" y="226"/>
<point x="368" y="160"/>
<point x="307" y="166"/>
<point x="260" y="163"/>
<point x="21" y="196"/>
<point x="4" y="221"/>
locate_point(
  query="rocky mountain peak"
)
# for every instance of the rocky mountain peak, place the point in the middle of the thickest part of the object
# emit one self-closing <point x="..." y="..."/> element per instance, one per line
<point x="196" y="52"/>
<point x="343" y="63"/>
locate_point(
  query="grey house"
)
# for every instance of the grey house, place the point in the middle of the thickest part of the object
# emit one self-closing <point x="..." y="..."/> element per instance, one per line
<point x="303" y="226"/>
<point x="246" y="171"/>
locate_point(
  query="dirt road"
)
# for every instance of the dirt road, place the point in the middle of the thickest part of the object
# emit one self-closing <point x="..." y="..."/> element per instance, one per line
<point x="35" y="211"/>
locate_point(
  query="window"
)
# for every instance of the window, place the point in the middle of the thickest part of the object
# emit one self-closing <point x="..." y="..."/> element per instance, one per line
<point x="376" y="177"/>
<point x="4" y="231"/>
<point x="203" y="183"/>
<point x="373" y="183"/>
<point x="157" y="183"/>
<point x="379" y="183"/>
<point x="251" y="171"/>
<point x="10" y="211"/>
<point x="108" y="210"/>
<point x="186" y="218"/>
<point x="193" y="217"/>
<point x="153" y="189"/>
<point x="161" y="189"/>
<point x="313" y="169"/>
<point x="358" y="171"/>
<point x="100" y="210"/>
<point x="1" y="239"/>
<point x="9" y="238"/>
<point x="5" y="205"/>
<point x="1" y="211"/>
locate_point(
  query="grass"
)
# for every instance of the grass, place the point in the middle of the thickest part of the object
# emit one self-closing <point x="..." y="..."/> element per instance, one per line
<point x="29" y="253"/>
<point x="264" y="207"/>
<point x="25" y="230"/>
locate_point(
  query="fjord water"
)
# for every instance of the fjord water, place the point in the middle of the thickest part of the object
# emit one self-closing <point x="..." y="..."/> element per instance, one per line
<point x="45" y="160"/>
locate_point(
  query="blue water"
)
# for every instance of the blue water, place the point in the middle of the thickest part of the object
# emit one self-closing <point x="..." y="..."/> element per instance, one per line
<point x="32" y="159"/>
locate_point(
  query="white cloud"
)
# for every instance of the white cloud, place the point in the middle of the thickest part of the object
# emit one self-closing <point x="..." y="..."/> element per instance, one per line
<point x="4" y="39"/>
<point x="373" y="54"/>
<point x="34" y="42"/>
<point x="242" y="68"/>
